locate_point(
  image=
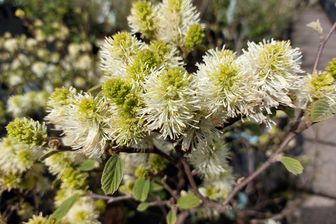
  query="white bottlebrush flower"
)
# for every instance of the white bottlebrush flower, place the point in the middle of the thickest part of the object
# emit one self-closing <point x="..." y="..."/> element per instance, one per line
<point x="316" y="86"/>
<point x="170" y="102"/>
<point x="127" y="131"/>
<point x="84" y="127"/>
<point x="16" y="158"/>
<point x="37" y="219"/>
<point x="210" y="157"/>
<point x="116" y="53"/>
<point x="175" y="17"/>
<point x="57" y="103"/>
<point x="276" y="65"/>
<point x="58" y="162"/>
<point x="82" y="124"/>
<point x="26" y="104"/>
<point x="39" y="69"/>
<point x="203" y="132"/>
<point x="142" y="19"/>
<point x="83" y="211"/>
<point x="166" y="54"/>
<point x="218" y="188"/>
<point x="225" y="91"/>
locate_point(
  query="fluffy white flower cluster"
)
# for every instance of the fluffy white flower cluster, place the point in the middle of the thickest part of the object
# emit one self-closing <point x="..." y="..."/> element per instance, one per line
<point x="15" y="159"/>
<point x="27" y="104"/>
<point x="148" y="95"/>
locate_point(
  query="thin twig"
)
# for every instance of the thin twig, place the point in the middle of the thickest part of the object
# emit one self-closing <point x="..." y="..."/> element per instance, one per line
<point x="323" y="42"/>
<point x="110" y="199"/>
<point x="169" y="189"/>
<point x="191" y="179"/>
<point x="273" y="158"/>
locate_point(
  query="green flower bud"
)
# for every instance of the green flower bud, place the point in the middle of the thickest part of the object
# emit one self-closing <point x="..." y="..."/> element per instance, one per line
<point x="157" y="163"/>
<point x="194" y="37"/>
<point x="144" y="61"/>
<point x="142" y="19"/>
<point x="27" y="131"/>
<point x="331" y="67"/>
<point x="73" y="179"/>
<point x="141" y="171"/>
<point x="116" y="90"/>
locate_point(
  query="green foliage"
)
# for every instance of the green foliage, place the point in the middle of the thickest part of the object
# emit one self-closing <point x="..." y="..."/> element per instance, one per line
<point x="64" y="208"/>
<point x="88" y="165"/>
<point x="292" y="165"/>
<point x="141" y="189"/>
<point x="322" y="110"/>
<point x="188" y="201"/>
<point x="142" y="206"/>
<point x="171" y="217"/>
<point x="112" y="175"/>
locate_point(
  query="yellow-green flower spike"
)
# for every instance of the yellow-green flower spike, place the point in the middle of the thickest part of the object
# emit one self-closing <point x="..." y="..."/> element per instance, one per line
<point x="116" y="90"/>
<point x="27" y="131"/>
<point x="331" y="67"/>
<point x="142" y="19"/>
<point x="320" y="82"/>
<point x="194" y="37"/>
<point x="144" y="61"/>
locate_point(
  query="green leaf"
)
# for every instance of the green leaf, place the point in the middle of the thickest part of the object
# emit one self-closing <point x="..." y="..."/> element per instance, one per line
<point x="171" y="217"/>
<point x="112" y="175"/>
<point x="292" y="165"/>
<point x="188" y="201"/>
<point x="321" y="110"/>
<point x="88" y="165"/>
<point x="63" y="209"/>
<point x="141" y="189"/>
<point x="142" y="206"/>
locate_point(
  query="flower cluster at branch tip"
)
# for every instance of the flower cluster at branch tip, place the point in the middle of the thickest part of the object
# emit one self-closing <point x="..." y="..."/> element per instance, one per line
<point x="318" y="85"/>
<point x="27" y="131"/>
<point x="148" y="95"/>
<point x="149" y="100"/>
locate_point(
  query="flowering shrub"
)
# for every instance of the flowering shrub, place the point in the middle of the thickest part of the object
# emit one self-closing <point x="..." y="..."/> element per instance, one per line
<point x="155" y="133"/>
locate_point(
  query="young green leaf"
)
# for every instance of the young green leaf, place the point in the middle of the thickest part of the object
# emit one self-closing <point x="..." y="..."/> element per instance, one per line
<point x="112" y="175"/>
<point x="141" y="189"/>
<point x="292" y="165"/>
<point x="188" y="201"/>
<point x="321" y="110"/>
<point x="142" y="206"/>
<point x="171" y="217"/>
<point x="63" y="209"/>
<point x="88" y="165"/>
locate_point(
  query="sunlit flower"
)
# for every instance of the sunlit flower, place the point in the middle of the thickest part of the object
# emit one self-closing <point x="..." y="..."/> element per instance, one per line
<point x="142" y="18"/>
<point x="210" y="157"/>
<point x="15" y="157"/>
<point x="276" y="65"/>
<point x="225" y="91"/>
<point x="175" y="17"/>
<point x="170" y="102"/>
<point x="317" y="86"/>
<point x="116" y="52"/>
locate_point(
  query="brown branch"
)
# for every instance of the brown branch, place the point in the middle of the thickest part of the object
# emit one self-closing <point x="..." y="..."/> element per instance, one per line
<point x="322" y="44"/>
<point x="169" y="190"/>
<point x="149" y="150"/>
<point x="273" y="158"/>
<point x="187" y="171"/>
<point x="110" y="199"/>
